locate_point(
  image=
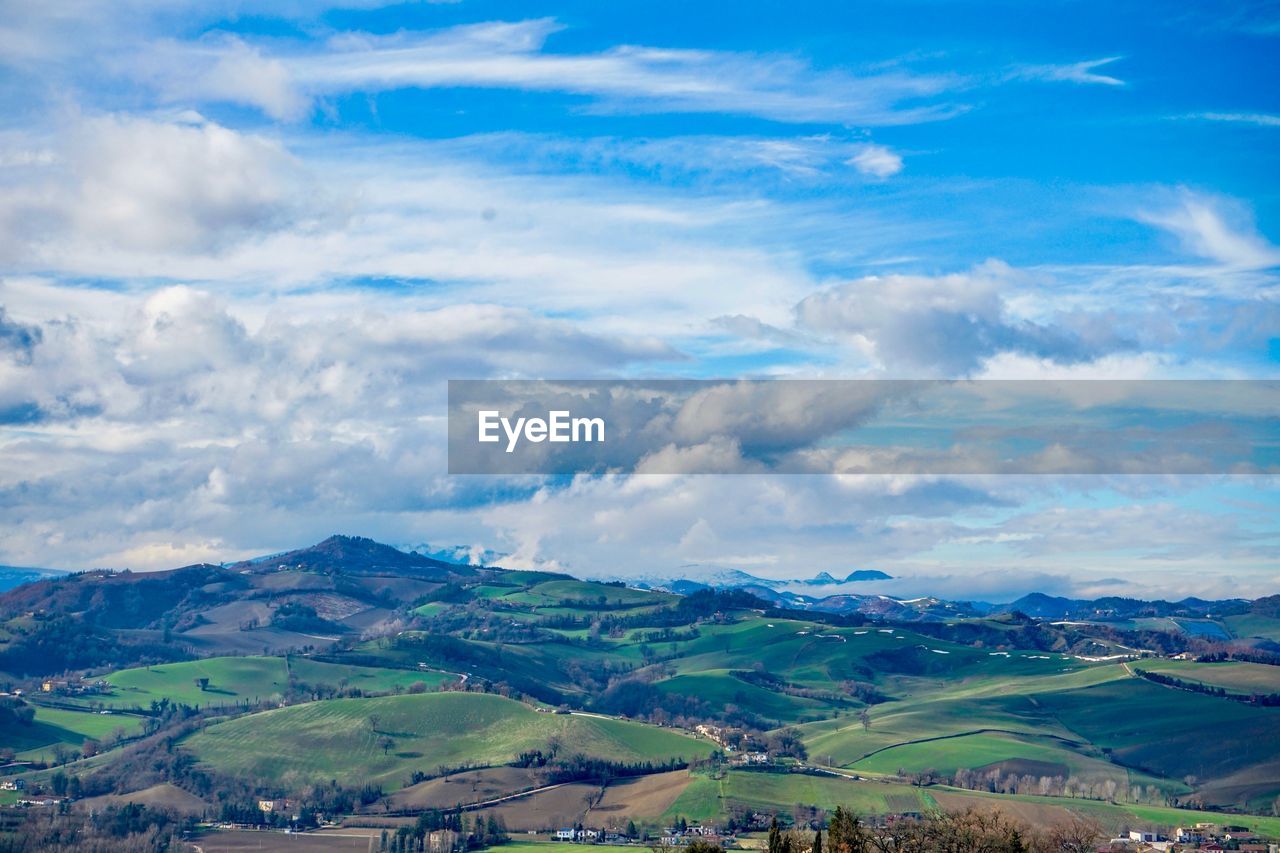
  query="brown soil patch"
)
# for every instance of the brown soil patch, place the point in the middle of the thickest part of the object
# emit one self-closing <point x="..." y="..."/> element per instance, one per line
<point x="645" y="797"/>
<point x="163" y="796"/>
<point x="546" y="811"/>
<point x="473" y="786"/>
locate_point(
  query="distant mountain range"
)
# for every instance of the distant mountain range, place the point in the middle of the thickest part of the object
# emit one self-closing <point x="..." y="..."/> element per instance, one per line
<point x="720" y="577"/>
<point x="359" y="556"/>
<point x="803" y="595"/>
<point x="11" y="576"/>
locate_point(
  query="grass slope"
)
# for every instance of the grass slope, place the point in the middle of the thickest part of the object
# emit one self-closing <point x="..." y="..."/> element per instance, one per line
<point x="708" y="798"/>
<point x="236" y="680"/>
<point x="337" y="739"/>
<point x="53" y="726"/>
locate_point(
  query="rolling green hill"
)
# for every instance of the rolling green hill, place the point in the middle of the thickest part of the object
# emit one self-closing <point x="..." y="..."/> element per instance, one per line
<point x="245" y="681"/>
<point x="53" y="727"/>
<point x="1051" y="715"/>
<point x="384" y="740"/>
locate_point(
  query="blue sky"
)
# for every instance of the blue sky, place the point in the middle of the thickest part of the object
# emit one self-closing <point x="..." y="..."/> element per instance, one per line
<point x="241" y="250"/>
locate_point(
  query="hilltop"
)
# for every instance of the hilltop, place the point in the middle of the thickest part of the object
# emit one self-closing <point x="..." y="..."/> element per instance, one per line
<point x="357" y="555"/>
<point x="309" y="597"/>
<point x="385" y="673"/>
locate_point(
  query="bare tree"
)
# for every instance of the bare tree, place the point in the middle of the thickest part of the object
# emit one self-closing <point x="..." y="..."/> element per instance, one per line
<point x="1077" y="835"/>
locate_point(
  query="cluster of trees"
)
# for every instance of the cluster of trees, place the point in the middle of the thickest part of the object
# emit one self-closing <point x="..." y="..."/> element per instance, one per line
<point x="1216" y="652"/>
<point x="579" y="767"/>
<point x="999" y="782"/>
<point x="452" y="832"/>
<point x="761" y="677"/>
<point x="63" y="643"/>
<point x="130" y="828"/>
<point x="14" y="712"/>
<point x="1269" y="700"/>
<point x="598" y="604"/>
<point x="637" y="697"/>
<point x="964" y="832"/>
<point x="669" y="635"/>
<point x="297" y="616"/>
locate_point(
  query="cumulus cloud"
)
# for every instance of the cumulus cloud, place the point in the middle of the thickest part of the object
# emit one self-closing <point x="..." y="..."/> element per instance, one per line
<point x="130" y="184"/>
<point x="153" y="185"/>
<point x="190" y="418"/>
<point x="876" y="161"/>
<point x="939" y="325"/>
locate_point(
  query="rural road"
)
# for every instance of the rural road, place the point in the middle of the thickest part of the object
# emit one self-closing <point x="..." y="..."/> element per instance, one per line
<point x="484" y="804"/>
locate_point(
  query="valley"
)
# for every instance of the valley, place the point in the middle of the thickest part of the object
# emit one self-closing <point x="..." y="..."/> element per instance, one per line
<point x="363" y="688"/>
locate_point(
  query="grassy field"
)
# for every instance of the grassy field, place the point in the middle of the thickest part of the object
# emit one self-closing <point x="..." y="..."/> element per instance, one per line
<point x="707" y="798"/>
<point x="53" y="726"/>
<point x="721" y="688"/>
<point x="383" y="740"/>
<point x="571" y="596"/>
<point x="232" y="680"/>
<point x="980" y="750"/>
<point x="1098" y="723"/>
<point x="545" y="847"/>
<point x="371" y="679"/>
<point x="1112" y="816"/>
<point x="1163" y="731"/>
<point x="1092" y="719"/>
<point x="240" y="680"/>
<point x="1254" y="625"/>
<point x="1234" y="676"/>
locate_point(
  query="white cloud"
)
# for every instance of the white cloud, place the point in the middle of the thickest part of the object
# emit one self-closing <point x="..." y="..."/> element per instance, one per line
<point x="1215" y="230"/>
<point x="138" y="185"/>
<point x="876" y="161"/>
<point x="637" y="78"/>
<point x="947" y="325"/>
<point x="1071" y="72"/>
<point x="511" y="55"/>
<point x="1258" y="119"/>
<point x="239" y="73"/>
<point x="796" y="526"/>
<point x="190" y="417"/>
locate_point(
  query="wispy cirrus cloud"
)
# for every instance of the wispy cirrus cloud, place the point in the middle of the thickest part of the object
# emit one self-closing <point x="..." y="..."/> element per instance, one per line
<point x="626" y="77"/>
<point x="1258" y="119"/>
<point x="1071" y="72"/>
<point x="284" y="79"/>
<point x="1216" y="230"/>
